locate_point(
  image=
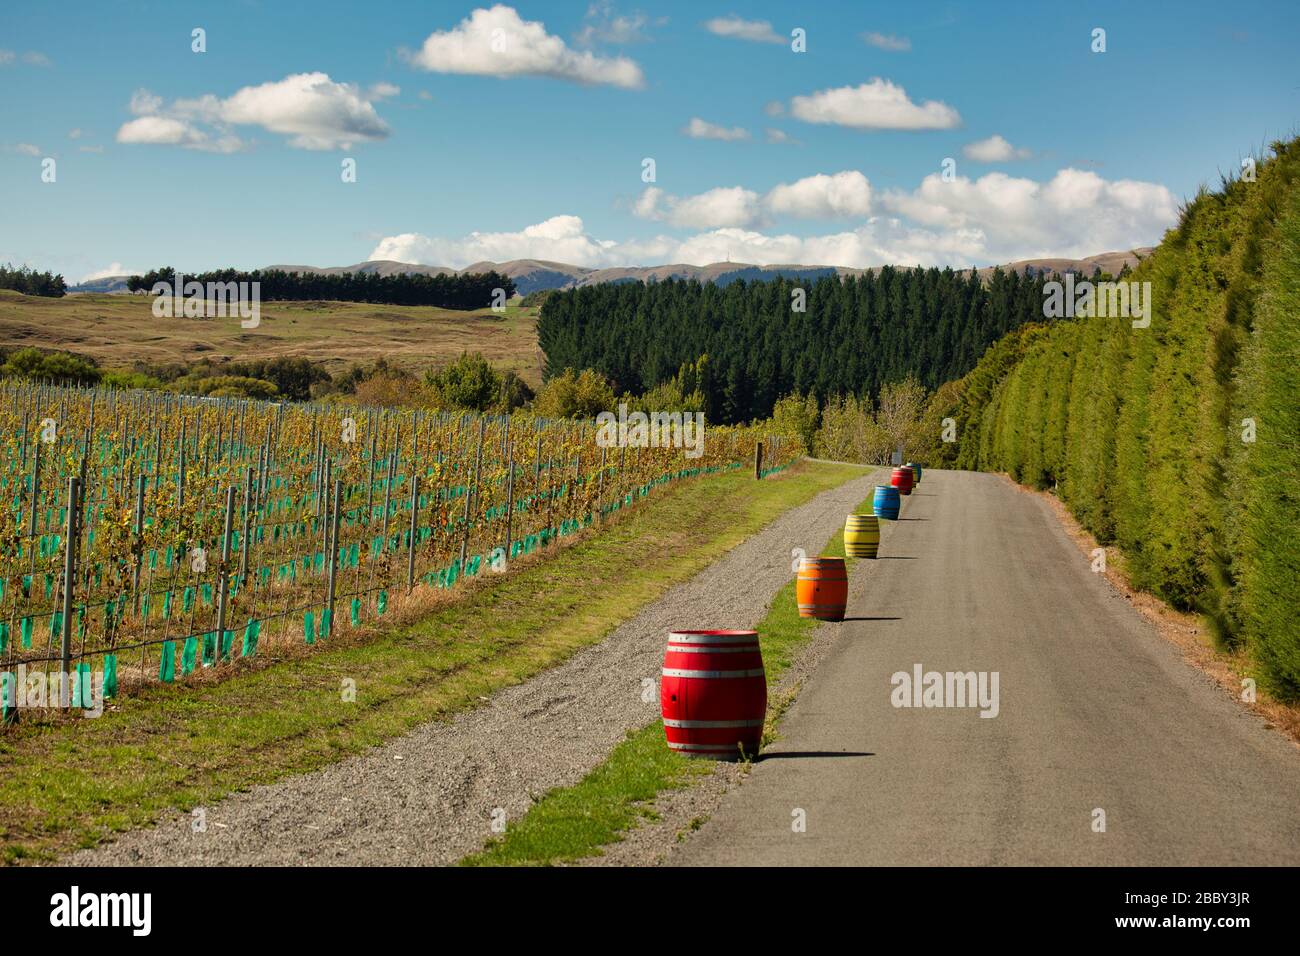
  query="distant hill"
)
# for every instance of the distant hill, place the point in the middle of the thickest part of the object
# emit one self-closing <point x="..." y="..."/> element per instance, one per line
<point x="105" y="284"/>
<point x="533" y="275"/>
<point x="383" y="267"/>
<point x="1111" y="262"/>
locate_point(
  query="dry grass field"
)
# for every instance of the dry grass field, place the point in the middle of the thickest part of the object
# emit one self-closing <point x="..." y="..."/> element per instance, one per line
<point x="118" y="330"/>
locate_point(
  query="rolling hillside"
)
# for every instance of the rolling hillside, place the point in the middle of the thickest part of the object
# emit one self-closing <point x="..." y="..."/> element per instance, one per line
<point x="533" y="275"/>
<point x="118" y="330"/>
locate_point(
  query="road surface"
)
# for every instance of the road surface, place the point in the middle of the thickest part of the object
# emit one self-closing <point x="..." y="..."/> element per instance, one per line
<point x="1099" y="721"/>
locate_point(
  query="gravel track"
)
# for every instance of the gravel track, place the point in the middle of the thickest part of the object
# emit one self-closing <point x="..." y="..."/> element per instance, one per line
<point x="428" y="798"/>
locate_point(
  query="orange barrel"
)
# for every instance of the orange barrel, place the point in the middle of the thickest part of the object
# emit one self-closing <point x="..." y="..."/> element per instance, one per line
<point x="822" y="588"/>
<point x="902" y="480"/>
<point x="861" y="536"/>
<point x="713" y="693"/>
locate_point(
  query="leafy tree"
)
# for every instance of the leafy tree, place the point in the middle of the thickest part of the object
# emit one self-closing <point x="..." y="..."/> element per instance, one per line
<point x="30" y="282"/>
<point x="457" y="291"/>
<point x="293" y="377"/>
<point x="126" y="380"/>
<point x="225" y="386"/>
<point x="899" y="413"/>
<point x="1264" y="521"/>
<point x="743" y="346"/>
<point x="573" y="394"/>
<point x="62" y="368"/>
<point x="797" y="415"/>
<point x="392" y="387"/>
<point x="469" y="382"/>
<point x="1143" y="430"/>
<point x="514" y="393"/>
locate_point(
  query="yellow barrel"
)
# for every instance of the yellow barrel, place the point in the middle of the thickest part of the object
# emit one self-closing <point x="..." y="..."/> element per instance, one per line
<point x="861" y="536"/>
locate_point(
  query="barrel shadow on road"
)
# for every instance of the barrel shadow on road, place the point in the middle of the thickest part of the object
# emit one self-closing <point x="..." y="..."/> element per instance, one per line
<point x="847" y="619"/>
<point x="806" y="754"/>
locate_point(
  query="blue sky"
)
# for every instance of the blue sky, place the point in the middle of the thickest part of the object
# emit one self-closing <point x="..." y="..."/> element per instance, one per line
<point x="463" y="151"/>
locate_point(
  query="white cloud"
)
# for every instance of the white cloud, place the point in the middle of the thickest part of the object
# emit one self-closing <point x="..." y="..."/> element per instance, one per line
<point x="27" y="149"/>
<point x="724" y="206"/>
<point x="560" y="238"/>
<point x="31" y="58"/>
<point x="774" y="108"/>
<point x="498" y="42"/>
<point x="144" y="103"/>
<point x="994" y="219"/>
<point x="564" y="239"/>
<point x="814" y="197"/>
<point x="605" y="25"/>
<point x="887" y="41"/>
<point x="995" y="149"/>
<point x="1076" y="213"/>
<point x="74" y="134"/>
<point x="646" y="206"/>
<point x="779" y="137"/>
<point x="311" y="109"/>
<point x="876" y="242"/>
<point x="381" y="91"/>
<point x="821" y="196"/>
<point x="700" y="129"/>
<point x="878" y="104"/>
<point x="116" y="269"/>
<point x="168" y="131"/>
<point x="756" y="31"/>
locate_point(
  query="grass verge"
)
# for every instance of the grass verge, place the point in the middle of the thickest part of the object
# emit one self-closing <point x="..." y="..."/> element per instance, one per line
<point x="570" y="823"/>
<point x="175" y="748"/>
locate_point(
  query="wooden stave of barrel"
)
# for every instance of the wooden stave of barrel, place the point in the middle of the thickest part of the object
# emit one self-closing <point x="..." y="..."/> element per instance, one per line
<point x="713" y="693"/>
<point x="901" y="478"/>
<point x="822" y="588"/>
<point x="861" y="536"/>
<point x="886" y="502"/>
<point x="916" y="473"/>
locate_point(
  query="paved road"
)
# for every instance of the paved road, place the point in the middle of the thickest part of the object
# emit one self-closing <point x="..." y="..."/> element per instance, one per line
<point x="1095" y="712"/>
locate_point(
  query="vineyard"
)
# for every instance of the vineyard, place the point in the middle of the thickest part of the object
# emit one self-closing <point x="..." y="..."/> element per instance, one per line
<point x="149" y="534"/>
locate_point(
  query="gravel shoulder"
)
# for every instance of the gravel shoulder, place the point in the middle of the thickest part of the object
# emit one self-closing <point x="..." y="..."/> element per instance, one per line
<point x="430" y="797"/>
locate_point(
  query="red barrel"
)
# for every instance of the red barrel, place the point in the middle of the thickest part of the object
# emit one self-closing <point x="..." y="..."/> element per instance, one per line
<point x="713" y="693"/>
<point x="902" y="480"/>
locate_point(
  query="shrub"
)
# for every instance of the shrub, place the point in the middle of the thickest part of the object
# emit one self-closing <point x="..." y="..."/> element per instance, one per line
<point x="63" y="368"/>
<point x="573" y="394"/>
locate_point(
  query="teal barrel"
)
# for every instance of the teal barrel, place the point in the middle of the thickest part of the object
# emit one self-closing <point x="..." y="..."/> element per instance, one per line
<point x="885" y="503"/>
<point x="916" y="472"/>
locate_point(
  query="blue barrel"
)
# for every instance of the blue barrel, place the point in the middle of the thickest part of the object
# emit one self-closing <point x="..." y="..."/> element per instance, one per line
<point x="886" y="502"/>
<point x="916" y="472"/>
